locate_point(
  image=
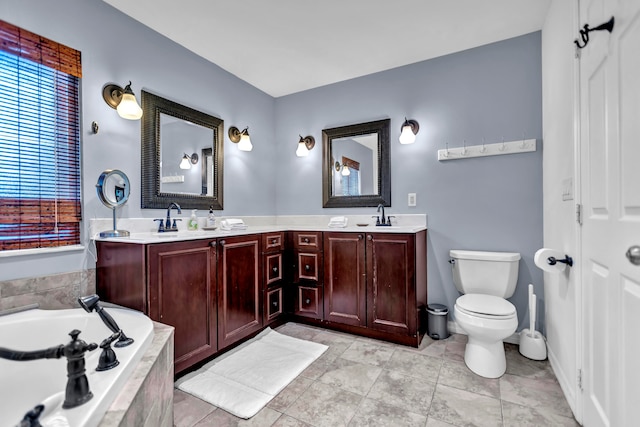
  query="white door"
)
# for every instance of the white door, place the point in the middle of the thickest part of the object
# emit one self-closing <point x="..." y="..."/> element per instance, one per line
<point x="610" y="194"/>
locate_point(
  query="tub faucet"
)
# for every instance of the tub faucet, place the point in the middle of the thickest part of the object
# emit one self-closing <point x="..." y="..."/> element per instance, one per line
<point x="167" y="223"/>
<point x="77" y="391"/>
<point x="91" y="303"/>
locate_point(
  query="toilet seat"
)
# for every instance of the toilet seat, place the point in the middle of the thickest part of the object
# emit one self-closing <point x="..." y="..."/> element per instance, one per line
<point x="486" y="306"/>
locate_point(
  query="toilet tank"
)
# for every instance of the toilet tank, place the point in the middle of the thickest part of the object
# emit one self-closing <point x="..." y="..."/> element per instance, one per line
<point x="490" y="273"/>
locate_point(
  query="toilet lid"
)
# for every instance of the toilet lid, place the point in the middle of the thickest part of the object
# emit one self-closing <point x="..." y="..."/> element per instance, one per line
<point x="486" y="304"/>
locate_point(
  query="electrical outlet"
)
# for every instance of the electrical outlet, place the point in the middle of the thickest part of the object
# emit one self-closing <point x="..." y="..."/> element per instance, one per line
<point x="411" y="200"/>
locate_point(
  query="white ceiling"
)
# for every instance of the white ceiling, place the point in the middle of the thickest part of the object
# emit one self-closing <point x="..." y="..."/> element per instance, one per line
<point x="287" y="46"/>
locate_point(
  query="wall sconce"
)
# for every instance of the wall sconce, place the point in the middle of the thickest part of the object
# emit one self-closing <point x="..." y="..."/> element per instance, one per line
<point x="305" y="145"/>
<point x="345" y="169"/>
<point x="409" y="129"/>
<point x="123" y="100"/>
<point x="241" y="138"/>
<point x="187" y="161"/>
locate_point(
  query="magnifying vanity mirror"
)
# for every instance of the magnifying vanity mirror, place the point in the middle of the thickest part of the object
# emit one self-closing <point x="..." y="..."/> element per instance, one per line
<point x="113" y="191"/>
<point x="182" y="155"/>
<point x="356" y="165"/>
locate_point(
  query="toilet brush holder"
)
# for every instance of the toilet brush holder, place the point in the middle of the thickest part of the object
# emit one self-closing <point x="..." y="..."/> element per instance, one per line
<point x="532" y="345"/>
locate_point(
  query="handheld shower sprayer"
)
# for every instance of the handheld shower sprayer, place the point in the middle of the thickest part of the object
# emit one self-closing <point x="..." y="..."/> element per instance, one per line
<point x="91" y="303"/>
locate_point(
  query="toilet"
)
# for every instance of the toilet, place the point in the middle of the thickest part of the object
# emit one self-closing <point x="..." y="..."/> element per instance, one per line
<point x="485" y="279"/>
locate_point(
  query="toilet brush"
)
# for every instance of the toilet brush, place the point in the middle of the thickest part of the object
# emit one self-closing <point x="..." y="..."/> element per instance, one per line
<point x="532" y="344"/>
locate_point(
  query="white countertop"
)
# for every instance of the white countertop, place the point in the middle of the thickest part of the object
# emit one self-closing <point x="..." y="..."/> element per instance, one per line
<point x="141" y="229"/>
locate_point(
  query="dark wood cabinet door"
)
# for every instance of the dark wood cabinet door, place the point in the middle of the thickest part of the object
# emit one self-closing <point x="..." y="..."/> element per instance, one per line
<point x="391" y="297"/>
<point x="182" y="277"/>
<point x="345" y="278"/>
<point x="273" y="307"/>
<point x="309" y="266"/>
<point x="309" y="301"/>
<point x="273" y="268"/>
<point x="239" y="288"/>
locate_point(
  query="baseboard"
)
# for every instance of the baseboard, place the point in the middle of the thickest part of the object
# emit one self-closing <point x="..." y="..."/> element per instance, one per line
<point x="455" y="329"/>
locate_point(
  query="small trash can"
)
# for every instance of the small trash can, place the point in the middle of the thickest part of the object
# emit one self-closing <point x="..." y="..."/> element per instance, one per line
<point x="437" y="321"/>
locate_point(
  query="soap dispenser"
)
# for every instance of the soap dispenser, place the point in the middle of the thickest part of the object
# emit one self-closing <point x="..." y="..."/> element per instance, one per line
<point x="211" y="218"/>
<point x="193" y="221"/>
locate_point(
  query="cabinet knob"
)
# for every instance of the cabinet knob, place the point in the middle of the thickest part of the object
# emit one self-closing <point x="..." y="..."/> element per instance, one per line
<point x="307" y="301"/>
<point x="213" y="244"/>
<point x="275" y="269"/>
<point x="275" y="303"/>
<point x="222" y="242"/>
<point x="274" y="241"/>
<point x="360" y="236"/>
<point x="307" y="267"/>
<point x="369" y="238"/>
<point x="306" y="240"/>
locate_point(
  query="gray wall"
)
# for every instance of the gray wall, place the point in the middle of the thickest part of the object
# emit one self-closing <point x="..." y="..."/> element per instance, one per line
<point x="116" y="48"/>
<point x="494" y="91"/>
<point x="490" y="203"/>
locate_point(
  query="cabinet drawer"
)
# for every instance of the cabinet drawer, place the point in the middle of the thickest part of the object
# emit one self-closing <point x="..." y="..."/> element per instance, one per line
<point x="273" y="268"/>
<point x="308" y="266"/>
<point x="273" y="304"/>
<point x="273" y="242"/>
<point x="309" y="302"/>
<point x="307" y="241"/>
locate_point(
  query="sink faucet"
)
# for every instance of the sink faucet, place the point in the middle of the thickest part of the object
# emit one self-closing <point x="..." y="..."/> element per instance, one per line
<point x="77" y="391"/>
<point x="167" y="224"/>
<point x="384" y="219"/>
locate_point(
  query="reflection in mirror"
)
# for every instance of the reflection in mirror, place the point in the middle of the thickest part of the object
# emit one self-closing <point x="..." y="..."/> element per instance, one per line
<point x="356" y="173"/>
<point x="180" y="137"/>
<point x="170" y="132"/>
<point x="356" y="169"/>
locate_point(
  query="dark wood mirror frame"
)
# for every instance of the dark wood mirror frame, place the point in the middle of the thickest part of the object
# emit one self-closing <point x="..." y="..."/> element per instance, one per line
<point x="381" y="127"/>
<point x="152" y="198"/>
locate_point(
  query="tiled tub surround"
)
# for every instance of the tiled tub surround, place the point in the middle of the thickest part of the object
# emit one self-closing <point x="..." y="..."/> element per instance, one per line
<point x="146" y="400"/>
<point x="364" y="382"/>
<point x="49" y="292"/>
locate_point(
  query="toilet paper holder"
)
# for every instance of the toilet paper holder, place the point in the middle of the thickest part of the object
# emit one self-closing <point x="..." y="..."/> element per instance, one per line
<point x="567" y="260"/>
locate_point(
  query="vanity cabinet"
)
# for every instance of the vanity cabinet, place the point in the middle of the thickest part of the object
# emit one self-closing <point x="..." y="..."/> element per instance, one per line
<point x="396" y="283"/>
<point x="376" y="281"/>
<point x="239" y="288"/>
<point x="273" y="276"/>
<point x="173" y="283"/>
<point x="345" y="278"/>
<point x="307" y="274"/>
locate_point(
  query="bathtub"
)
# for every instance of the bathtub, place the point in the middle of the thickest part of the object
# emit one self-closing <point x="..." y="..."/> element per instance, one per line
<point x="23" y="385"/>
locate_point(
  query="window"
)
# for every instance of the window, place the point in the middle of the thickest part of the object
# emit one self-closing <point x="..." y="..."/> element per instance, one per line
<point x="39" y="141"/>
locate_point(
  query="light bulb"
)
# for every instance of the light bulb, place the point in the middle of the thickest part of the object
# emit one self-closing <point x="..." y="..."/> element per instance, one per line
<point x="346" y="171"/>
<point x="185" y="163"/>
<point x="128" y="107"/>
<point x="407" y="136"/>
<point x="245" y="143"/>
<point x="302" y="150"/>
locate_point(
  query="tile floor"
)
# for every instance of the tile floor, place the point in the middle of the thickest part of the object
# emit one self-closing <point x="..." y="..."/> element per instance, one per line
<point x="364" y="382"/>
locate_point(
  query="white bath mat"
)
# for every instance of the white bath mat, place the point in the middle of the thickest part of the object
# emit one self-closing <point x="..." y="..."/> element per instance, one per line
<point x="244" y="380"/>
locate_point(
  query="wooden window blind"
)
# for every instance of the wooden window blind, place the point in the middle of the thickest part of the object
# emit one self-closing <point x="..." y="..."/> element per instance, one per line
<point x="39" y="141"/>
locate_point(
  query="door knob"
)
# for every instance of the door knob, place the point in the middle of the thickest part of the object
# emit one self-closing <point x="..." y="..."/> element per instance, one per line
<point x="633" y="255"/>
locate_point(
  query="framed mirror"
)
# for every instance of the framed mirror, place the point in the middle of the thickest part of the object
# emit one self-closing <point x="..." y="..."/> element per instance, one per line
<point x="356" y="165"/>
<point x="182" y="156"/>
